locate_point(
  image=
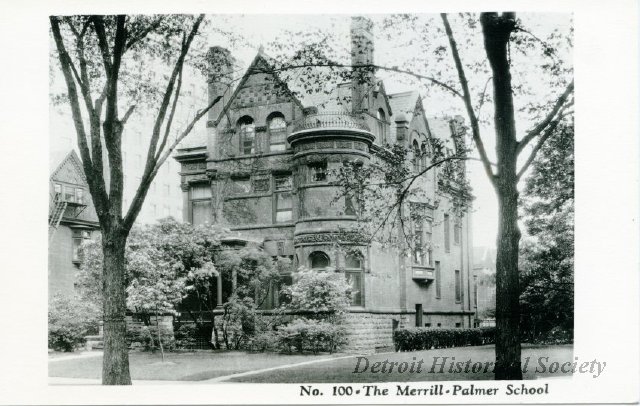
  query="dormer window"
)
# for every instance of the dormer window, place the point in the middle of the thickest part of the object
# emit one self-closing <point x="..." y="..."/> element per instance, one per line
<point x="277" y="132"/>
<point x="247" y="132"/>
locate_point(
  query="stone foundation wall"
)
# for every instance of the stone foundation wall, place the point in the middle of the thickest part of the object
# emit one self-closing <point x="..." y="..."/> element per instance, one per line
<point x="373" y="332"/>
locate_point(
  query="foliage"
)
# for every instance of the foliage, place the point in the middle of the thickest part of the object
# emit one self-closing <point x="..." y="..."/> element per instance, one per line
<point x="70" y="320"/>
<point x="419" y="338"/>
<point x="146" y="338"/>
<point x="395" y="176"/>
<point x="324" y="294"/>
<point x="547" y="253"/>
<point x="312" y="335"/>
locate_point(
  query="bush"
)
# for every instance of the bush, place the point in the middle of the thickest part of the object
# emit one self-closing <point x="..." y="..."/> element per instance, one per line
<point x="326" y="294"/>
<point x="70" y="320"/>
<point x="147" y="337"/>
<point x="312" y="335"/>
<point x="418" y="338"/>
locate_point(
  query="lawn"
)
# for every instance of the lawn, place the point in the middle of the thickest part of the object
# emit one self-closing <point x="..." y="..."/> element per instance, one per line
<point x="203" y="365"/>
<point x="342" y="370"/>
<point x="180" y="366"/>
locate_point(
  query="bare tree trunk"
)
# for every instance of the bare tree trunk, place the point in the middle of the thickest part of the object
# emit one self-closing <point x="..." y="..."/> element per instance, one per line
<point x="115" y="362"/>
<point x="159" y="335"/>
<point x="497" y="30"/>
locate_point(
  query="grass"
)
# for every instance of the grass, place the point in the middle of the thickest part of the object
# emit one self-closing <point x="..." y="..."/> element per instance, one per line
<point x="179" y="366"/>
<point x="342" y="370"/>
<point x="203" y="365"/>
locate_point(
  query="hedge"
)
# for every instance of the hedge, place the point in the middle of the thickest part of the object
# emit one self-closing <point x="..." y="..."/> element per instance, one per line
<point x="418" y="338"/>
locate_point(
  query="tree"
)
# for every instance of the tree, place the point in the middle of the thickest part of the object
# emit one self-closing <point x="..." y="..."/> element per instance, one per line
<point x="102" y="60"/>
<point x="547" y="254"/>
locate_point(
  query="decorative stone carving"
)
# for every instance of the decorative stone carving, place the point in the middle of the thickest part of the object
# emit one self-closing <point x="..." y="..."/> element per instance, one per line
<point x="329" y="238"/>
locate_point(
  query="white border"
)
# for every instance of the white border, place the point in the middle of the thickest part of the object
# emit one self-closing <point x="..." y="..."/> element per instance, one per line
<point x="607" y="284"/>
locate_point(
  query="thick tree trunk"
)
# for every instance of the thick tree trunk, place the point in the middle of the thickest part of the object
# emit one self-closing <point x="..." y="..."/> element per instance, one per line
<point x="115" y="362"/>
<point x="507" y="286"/>
<point x="497" y="29"/>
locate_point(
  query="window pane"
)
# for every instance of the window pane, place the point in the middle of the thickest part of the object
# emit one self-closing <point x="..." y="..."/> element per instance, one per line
<point x="240" y="186"/>
<point x="283" y="182"/>
<point x="76" y="249"/>
<point x="283" y="216"/>
<point x="69" y="194"/>
<point x="319" y="260"/>
<point x="201" y="212"/>
<point x="318" y="172"/>
<point x="202" y="191"/>
<point x="355" y="280"/>
<point x="447" y="242"/>
<point x="458" y="287"/>
<point x="277" y="134"/>
<point x="353" y="261"/>
<point x="79" y="193"/>
<point x="438" y="280"/>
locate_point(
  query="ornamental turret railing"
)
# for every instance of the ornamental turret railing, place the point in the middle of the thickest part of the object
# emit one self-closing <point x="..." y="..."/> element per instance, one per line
<point x="329" y="120"/>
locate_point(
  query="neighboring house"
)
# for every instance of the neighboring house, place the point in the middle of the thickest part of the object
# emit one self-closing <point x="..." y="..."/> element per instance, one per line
<point x="484" y="275"/>
<point x="264" y="170"/>
<point x="72" y="220"/>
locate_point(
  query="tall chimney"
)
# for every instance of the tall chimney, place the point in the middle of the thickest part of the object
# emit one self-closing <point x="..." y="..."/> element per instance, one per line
<point x="219" y="78"/>
<point x="362" y="61"/>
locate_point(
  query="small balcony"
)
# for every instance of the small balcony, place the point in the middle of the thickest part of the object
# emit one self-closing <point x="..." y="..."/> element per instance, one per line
<point x="422" y="273"/>
<point x="330" y="120"/>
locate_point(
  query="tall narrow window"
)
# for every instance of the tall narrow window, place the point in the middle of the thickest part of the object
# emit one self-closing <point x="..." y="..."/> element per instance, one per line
<point x="354" y="275"/>
<point x="381" y="126"/>
<point x="277" y="133"/>
<point x="428" y="252"/>
<point x="438" y="280"/>
<point x="418" y="241"/>
<point x="78" y="237"/>
<point x="475" y="290"/>
<point x="457" y="228"/>
<point x="423" y="156"/>
<point x="284" y="207"/>
<point x="200" y="199"/>
<point x="247" y="132"/>
<point x="318" y="260"/>
<point x="79" y="196"/>
<point x="447" y="237"/>
<point x="458" y="286"/>
<point x="283" y="199"/>
<point x="57" y="189"/>
<point x="416" y="156"/>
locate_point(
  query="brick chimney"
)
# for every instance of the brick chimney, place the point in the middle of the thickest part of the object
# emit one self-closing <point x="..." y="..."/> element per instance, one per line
<point x="361" y="56"/>
<point x="219" y="79"/>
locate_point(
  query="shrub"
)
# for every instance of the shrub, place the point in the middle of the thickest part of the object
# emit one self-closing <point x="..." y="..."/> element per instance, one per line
<point x="70" y="320"/>
<point x="324" y="293"/>
<point x="312" y="335"/>
<point x="147" y="337"/>
<point x="418" y="338"/>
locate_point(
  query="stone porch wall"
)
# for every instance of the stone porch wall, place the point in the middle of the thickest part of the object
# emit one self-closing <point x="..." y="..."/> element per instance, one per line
<point x="370" y="332"/>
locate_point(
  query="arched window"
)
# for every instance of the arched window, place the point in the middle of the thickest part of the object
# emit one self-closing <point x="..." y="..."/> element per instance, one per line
<point x="277" y="132"/>
<point x="381" y="125"/>
<point x="423" y="156"/>
<point x="319" y="260"/>
<point x="416" y="156"/>
<point x="353" y="272"/>
<point x="247" y="132"/>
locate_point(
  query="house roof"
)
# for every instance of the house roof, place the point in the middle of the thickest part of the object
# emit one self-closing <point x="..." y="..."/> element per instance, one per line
<point x="404" y="103"/>
<point x="57" y="159"/>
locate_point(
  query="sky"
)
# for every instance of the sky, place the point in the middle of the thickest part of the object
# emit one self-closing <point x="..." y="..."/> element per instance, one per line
<point x="257" y="30"/>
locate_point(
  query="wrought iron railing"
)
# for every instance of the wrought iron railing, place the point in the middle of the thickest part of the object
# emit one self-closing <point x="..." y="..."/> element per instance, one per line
<point x="330" y="119"/>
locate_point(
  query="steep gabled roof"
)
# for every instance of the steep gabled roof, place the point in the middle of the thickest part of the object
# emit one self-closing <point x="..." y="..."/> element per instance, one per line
<point x="68" y="157"/>
<point x="267" y="63"/>
<point x="404" y="103"/>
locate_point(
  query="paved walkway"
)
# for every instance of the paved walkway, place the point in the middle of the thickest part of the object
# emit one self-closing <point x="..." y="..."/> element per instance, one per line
<point x="286" y="366"/>
<point x="84" y="354"/>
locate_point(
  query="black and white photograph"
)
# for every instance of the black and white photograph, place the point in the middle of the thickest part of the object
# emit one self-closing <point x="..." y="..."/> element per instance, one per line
<point x="359" y="204"/>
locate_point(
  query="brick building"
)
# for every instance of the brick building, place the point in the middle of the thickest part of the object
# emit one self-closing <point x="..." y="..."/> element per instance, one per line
<point x="72" y="219"/>
<point x="263" y="170"/>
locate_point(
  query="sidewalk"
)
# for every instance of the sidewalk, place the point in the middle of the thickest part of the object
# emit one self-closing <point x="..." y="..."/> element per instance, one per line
<point x="83" y="354"/>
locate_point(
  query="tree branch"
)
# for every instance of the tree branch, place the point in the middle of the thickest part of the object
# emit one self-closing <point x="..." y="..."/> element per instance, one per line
<point x="475" y="127"/>
<point x="95" y="180"/>
<point x="545" y="122"/>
